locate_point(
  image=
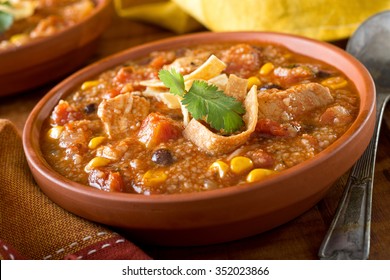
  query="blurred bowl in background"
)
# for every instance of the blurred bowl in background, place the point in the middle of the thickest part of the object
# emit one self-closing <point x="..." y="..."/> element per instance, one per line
<point x="48" y="58"/>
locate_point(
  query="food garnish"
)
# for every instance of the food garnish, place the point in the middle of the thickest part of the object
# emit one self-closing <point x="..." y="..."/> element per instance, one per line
<point x="206" y="102"/>
<point x="11" y="10"/>
<point x="6" y="18"/>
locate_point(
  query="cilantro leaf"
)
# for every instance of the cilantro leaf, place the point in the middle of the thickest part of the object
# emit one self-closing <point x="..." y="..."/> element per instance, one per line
<point x="206" y="102"/>
<point x="173" y="80"/>
<point x="6" y="21"/>
<point x="220" y="111"/>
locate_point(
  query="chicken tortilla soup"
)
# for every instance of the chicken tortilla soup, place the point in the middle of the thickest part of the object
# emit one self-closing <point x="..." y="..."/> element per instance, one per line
<point x="198" y="118"/>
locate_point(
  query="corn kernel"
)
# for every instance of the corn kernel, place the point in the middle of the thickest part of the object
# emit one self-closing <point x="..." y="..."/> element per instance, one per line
<point x="89" y="84"/>
<point x="266" y="68"/>
<point x="18" y="39"/>
<point x="55" y="132"/>
<point x="253" y="81"/>
<point x="96" y="162"/>
<point x="154" y="177"/>
<point x="95" y="142"/>
<point x="259" y="174"/>
<point x="220" y="167"/>
<point x="240" y="165"/>
<point x="335" y="82"/>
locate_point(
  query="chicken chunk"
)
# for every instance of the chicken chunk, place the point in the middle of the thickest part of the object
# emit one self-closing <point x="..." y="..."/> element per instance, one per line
<point x="336" y="115"/>
<point x="291" y="104"/>
<point x="123" y="114"/>
<point x="288" y="76"/>
<point x="113" y="152"/>
<point x="243" y="60"/>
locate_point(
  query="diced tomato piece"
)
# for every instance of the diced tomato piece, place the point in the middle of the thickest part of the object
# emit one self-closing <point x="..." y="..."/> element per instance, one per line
<point x="159" y="59"/>
<point x="126" y="75"/>
<point x="156" y="129"/>
<point x="63" y="113"/>
<point x="270" y="127"/>
<point x="106" y="180"/>
<point x="114" y="182"/>
<point x="111" y="93"/>
<point x="129" y="75"/>
<point x="157" y="62"/>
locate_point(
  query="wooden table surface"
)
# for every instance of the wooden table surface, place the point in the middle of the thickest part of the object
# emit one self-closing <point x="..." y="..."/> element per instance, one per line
<point x="297" y="239"/>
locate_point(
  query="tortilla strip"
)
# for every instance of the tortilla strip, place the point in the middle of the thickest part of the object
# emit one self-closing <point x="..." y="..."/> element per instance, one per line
<point x="220" y="81"/>
<point x="186" y="114"/>
<point x="214" y="143"/>
<point x="172" y="101"/>
<point x="155" y="83"/>
<point x="236" y="87"/>
<point x="212" y="67"/>
<point x="19" y="9"/>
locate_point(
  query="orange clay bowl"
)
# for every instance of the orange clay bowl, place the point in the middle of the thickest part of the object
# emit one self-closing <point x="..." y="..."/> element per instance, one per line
<point x="49" y="58"/>
<point x="218" y="215"/>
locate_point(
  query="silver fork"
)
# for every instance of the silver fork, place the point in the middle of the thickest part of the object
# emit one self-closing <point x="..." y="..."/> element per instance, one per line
<point x="349" y="234"/>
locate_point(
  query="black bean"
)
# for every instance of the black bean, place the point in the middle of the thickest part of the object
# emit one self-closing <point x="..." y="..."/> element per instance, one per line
<point x="90" y="108"/>
<point x="323" y="74"/>
<point x="162" y="157"/>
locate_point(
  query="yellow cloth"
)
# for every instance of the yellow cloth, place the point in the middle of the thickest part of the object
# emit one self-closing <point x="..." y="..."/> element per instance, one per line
<point x="159" y="12"/>
<point x="327" y="20"/>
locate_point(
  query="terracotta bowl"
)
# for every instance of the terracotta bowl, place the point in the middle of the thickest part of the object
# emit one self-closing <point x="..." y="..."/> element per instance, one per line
<point x="49" y="58"/>
<point x="219" y="215"/>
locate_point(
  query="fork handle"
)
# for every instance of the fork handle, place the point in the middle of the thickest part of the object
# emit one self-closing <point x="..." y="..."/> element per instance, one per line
<point x="348" y="237"/>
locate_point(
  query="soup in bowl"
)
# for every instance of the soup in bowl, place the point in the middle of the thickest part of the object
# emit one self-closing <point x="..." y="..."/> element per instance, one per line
<point x="202" y="138"/>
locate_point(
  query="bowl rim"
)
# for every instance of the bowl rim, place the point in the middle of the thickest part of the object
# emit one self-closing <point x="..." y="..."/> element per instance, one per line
<point x="36" y="161"/>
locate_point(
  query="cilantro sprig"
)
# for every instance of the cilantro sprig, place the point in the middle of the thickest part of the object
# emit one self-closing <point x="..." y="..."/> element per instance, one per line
<point x="6" y="19"/>
<point x="206" y="102"/>
<point x="11" y="11"/>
